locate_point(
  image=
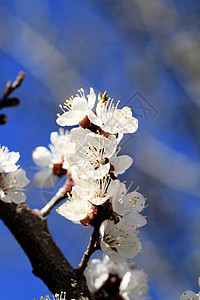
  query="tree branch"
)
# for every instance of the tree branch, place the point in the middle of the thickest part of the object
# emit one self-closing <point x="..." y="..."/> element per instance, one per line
<point x="30" y="229"/>
<point x="8" y="102"/>
<point x="10" y="87"/>
<point x="61" y="194"/>
<point x="92" y="247"/>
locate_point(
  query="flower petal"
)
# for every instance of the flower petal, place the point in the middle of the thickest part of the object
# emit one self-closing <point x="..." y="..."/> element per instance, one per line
<point x="70" y="118"/>
<point x="121" y="163"/>
<point x="100" y="172"/>
<point x="94" y="119"/>
<point x="135" y="219"/>
<point x="17" y="197"/>
<point x="79" y="104"/>
<point x="91" y="99"/>
<point x="41" y="156"/>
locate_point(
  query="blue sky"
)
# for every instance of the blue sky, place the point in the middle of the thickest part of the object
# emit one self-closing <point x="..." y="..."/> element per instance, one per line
<point x="65" y="45"/>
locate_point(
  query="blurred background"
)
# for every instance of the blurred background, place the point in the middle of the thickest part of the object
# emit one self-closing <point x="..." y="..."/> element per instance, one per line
<point x="145" y="53"/>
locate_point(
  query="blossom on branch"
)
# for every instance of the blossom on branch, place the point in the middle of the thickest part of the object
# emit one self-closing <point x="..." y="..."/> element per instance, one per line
<point x="76" y="108"/>
<point x="119" y="241"/>
<point x="51" y="161"/>
<point x="12" y="179"/>
<point x="96" y="191"/>
<point x="113" y="120"/>
<point x="128" y="206"/>
<point x="92" y="156"/>
<point x="78" y="211"/>
<point x="117" y="280"/>
<point x="97" y="197"/>
<point x="12" y="186"/>
<point x="8" y="160"/>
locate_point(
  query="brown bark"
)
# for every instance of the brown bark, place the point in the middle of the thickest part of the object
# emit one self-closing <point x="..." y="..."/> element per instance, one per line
<point x="49" y="264"/>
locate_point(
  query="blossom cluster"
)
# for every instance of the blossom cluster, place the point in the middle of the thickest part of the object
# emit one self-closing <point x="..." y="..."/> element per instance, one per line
<point x="12" y="178"/>
<point x="105" y="278"/>
<point x="98" y="198"/>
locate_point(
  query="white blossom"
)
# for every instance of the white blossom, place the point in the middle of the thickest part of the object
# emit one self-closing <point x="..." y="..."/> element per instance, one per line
<point x="75" y="109"/>
<point x="75" y="209"/>
<point x="50" y="161"/>
<point x="92" y="155"/>
<point x="133" y="281"/>
<point x="113" y="120"/>
<point x="96" y="191"/>
<point x="96" y="274"/>
<point x="11" y="186"/>
<point x="133" y="285"/>
<point x="128" y="206"/>
<point x="119" y="241"/>
<point x="8" y="160"/>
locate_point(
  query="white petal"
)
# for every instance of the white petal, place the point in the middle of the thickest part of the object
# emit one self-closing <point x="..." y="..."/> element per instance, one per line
<point x="116" y="257"/>
<point x="99" y="200"/>
<point x="134" y="219"/>
<point x="111" y="129"/>
<point x="110" y="146"/>
<point x="9" y="161"/>
<point x="137" y="199"/>
<point x="79" y="133"/>
<point x="130" y="250"/>
<point x="118" y="203"/>
<point x="122" y="163"/>
<point x="96" y="141"/>
<point x="79" y="104"/>
<point x="94" y="119"/>
<point x="69" y="118"/>
<point x="18" y="178"/>
<point x="75" y="210"/>
<point x="91" y="99"/>
<point x="105" y="248"/>
<point x="54" y="137"/>
<point x="96" y="274"/>
<point x="41" y="156"/>
<point x="100" y="109"/>
<point x="3" y="197"/>
<point x="100" y="172"/>
<point x="102" y="228"/>
<point x="113" y="187"/>
<point x="17" y="197"/>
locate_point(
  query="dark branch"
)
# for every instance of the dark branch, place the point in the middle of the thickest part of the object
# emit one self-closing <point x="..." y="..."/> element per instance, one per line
<point x="8" y="102"/>
<point x="92" y="247"/>
<point x="10" y="87"/>
<point x="61" y="194"/>
<point x="48" y="262"/>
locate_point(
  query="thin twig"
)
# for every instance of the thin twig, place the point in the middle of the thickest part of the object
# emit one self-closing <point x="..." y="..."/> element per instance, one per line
<point x="10" y="87"/>
<point x="8" y="102"/>
<point x="61" y="194"/>
<point x="92" y="247"/>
